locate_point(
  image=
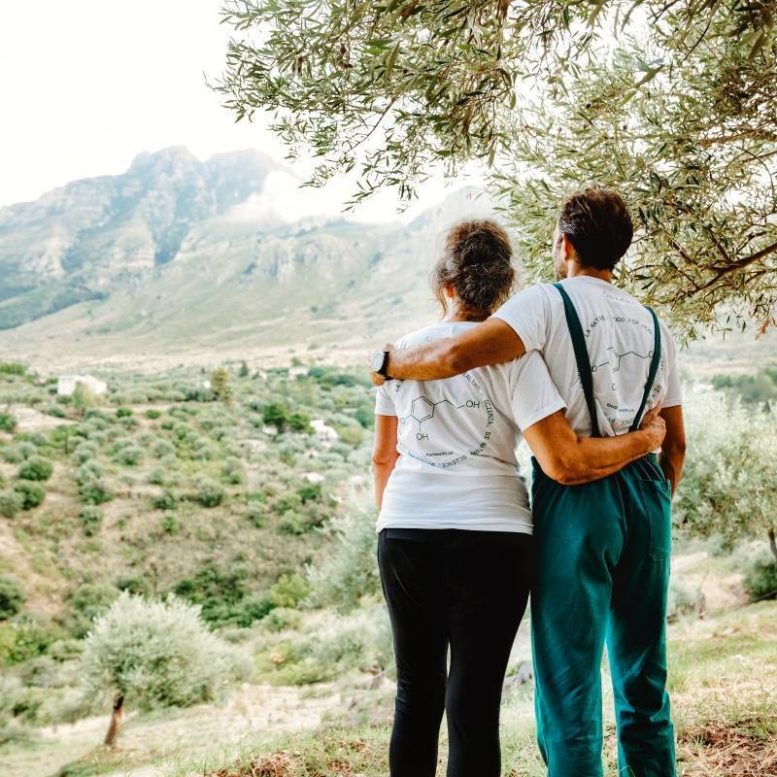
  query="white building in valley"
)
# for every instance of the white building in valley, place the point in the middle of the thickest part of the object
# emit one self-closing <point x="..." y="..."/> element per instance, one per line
<point x="67" y="384"/>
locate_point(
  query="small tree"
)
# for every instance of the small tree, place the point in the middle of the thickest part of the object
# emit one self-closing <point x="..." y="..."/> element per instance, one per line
<point x="277" y="415"/>
<point x="730" y="482"/>
<point x="11" y="598"/>
<point x="36" y="468"/>
<point x="220" y="385"/>
<point x="156" y="654"/>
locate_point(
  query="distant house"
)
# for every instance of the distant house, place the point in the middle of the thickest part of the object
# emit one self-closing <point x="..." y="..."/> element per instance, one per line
<point x="67" y="384"/>
<point x="324" y="432"/>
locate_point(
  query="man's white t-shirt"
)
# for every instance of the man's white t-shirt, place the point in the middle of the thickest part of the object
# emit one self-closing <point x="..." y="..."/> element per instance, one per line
<point x="619" y="334"/>
<point x="457" y="438"/>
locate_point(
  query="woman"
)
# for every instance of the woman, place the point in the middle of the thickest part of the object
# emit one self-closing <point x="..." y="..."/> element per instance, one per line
<point x="454" y="546"/>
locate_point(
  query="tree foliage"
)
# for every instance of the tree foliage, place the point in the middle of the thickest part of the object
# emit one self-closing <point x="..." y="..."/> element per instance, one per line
<point x="158" y="654"/>
<point x="730" y="483"/>
<point x="674" y="103"/>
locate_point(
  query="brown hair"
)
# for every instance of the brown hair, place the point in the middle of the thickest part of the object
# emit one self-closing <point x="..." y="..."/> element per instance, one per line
<point x="598" y="225"/>
<point x="476" y="262"/>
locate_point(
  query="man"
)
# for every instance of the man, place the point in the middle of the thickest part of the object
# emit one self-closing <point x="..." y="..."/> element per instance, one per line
<point x="602" y="547"/>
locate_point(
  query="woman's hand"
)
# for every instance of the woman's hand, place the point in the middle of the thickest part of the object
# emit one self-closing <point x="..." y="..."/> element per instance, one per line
<point x="655" y="426"/>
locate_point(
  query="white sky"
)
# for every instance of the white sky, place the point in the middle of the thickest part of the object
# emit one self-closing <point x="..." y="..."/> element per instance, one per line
<point x="85" y="85"/>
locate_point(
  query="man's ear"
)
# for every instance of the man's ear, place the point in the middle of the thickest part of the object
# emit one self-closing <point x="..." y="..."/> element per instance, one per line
<point x="568" y="253"/>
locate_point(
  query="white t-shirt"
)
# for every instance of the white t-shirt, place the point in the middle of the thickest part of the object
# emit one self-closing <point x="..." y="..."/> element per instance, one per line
<point x="619" y="334"/>
<point x="457" y="438"/>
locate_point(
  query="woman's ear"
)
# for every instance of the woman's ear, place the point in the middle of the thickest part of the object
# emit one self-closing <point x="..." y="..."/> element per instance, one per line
<point x="449" y="291"/>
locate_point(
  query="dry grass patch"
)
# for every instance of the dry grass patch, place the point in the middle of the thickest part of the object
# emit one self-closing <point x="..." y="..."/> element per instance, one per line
<point x="723" y="750"/>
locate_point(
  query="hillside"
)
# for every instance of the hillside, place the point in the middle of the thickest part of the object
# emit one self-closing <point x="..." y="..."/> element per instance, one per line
<point x="178" y="257"/>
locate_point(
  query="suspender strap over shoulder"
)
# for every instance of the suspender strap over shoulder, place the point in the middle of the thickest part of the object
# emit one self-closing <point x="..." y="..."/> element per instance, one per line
<point x="581" y="357"/>
<point x="654" y="362"/>
<point x="584" y="362"/>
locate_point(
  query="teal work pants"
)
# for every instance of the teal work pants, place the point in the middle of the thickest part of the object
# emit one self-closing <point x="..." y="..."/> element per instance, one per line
<point x="602" y="574"/>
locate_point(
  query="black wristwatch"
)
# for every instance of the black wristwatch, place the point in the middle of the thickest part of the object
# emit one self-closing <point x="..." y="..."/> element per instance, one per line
<point x="379" y="364"/>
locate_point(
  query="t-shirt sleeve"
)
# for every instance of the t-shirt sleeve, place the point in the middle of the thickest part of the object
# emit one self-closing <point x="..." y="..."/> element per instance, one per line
<point x="534" y="394"/>
<point x="674" y="392"/>
<point x="528" y="313"/>
<point x="384" y="402"/>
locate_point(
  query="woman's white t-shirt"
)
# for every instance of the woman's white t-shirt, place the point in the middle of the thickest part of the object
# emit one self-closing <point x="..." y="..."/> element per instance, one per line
<point x="457" y="438"/>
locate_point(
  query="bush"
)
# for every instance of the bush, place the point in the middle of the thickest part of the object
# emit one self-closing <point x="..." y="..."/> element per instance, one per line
<point x="94" y="492"/>
<point x="361" y="641"/>
<point x="7" y="423"/>
<point x="282" y="619"/>
<point x="761" y="576"/>
<point x="30" y="493"/>
<point x="11" y="454"/>
<point x="36" y="468"/>
<point x="152" y="414"/>
<point x="129" y="455"/>
<point x="277" y="415"/>
<point x="681" y="600"/>
<point x="11" y="598"/>
<point x="163" y="449"/>
<point x="91" y="519"/>
<point x="158" y="654"/>
<point x="209" y="493"/>
<point x="10" y="503"/>
<point x="233" y="471"/>
<point x="348" y="572"/>
<point x="123" y="412"/>
<point x="289" y="590"/>
<point x="165" y="501"/>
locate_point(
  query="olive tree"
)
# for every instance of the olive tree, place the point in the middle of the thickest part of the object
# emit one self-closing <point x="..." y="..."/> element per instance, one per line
<point x="674" y="103"/>
<point x="729" y="487"/>
<point x="156" y="654"/>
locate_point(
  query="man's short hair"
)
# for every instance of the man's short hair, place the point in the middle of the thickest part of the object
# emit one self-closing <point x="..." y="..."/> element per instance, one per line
<point x="597" y="223"/>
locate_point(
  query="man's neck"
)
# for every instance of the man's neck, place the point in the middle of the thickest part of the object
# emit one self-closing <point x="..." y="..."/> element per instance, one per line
<point x="576" y="270"/>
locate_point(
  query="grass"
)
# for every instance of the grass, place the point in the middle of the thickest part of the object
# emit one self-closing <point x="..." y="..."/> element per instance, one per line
<point x="723" y="684"/>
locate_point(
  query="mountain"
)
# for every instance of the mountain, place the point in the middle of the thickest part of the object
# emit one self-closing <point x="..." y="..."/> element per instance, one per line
<point x="182" y="258"/>
<point x="183" y="261"/>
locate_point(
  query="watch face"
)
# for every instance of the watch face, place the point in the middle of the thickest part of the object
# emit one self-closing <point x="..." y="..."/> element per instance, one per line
<point x="377" y="361"/>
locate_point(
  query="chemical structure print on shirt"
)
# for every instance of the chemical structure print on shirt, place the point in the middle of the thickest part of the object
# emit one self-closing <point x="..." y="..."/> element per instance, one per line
<point x="441" y="439"/>
<point x="615" y="359"/>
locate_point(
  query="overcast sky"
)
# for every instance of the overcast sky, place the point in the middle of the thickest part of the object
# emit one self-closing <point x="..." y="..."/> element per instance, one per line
<point x="85" y="85"/>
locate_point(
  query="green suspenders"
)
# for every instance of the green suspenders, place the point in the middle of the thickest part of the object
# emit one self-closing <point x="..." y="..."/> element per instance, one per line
<point x="584" y="363"/>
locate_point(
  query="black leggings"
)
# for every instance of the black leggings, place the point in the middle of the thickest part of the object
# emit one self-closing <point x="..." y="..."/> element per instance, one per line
<point x="463" y="589"/>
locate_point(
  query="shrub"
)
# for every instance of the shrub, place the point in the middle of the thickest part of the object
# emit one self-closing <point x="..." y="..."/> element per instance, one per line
<point x="123" y="412"/>
<point x="152" y="414"/>
<point x="163" y="449"/>
<point x="10" y="503"/>
<point x="11" y="598"/>
<point x="169" y="523"/>
<point x="55" y="411"/>
<point x="129" y="455"/>
<point x="277" y="415"/>
<point x="85" y="452"/>
<point x="209" y="493"/>
<point x="7" y="423"/>
<point x="681" y="600"/>
<point x="91" y="519"/>
<point x="289" y="590"/>
<point x="12" y="455"/>
<point x="165" y="501"/>
<point x="348" y="571"/>
<point x="282" y="619"/>
<point x="233" y="471"/>
<point x="94" y="492"/>
<point x="158" y="654"/>
<point x="256" y="514"/>
<point x="300" y="422"/>
<point x="761" y="576"/>
<point x="36" y="468"/>
<point x="30" y="493"/>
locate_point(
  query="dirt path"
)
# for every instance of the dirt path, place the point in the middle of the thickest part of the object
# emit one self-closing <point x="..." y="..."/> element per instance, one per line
<point x="150" y="745"/>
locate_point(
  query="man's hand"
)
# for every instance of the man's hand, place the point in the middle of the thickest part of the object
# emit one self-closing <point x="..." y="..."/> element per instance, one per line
<point x="655" y="426"/>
